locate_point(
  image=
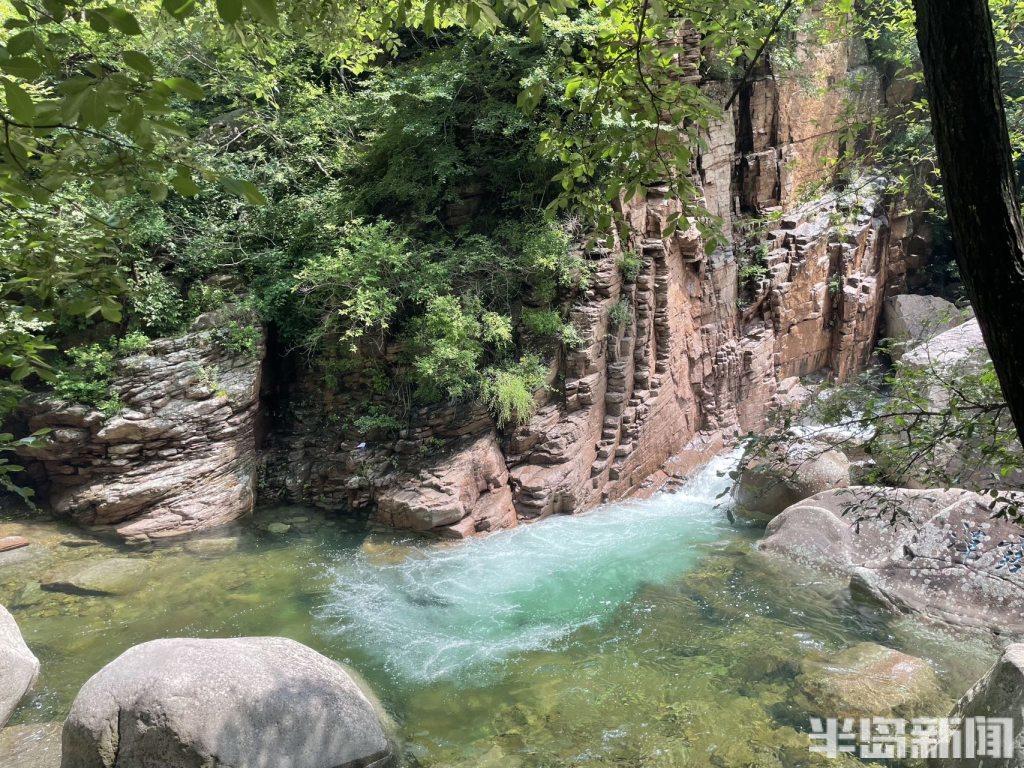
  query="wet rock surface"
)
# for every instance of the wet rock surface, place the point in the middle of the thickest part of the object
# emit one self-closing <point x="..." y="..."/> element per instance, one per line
<point x="30" y="746"/>
<point x="936" y="554"/>
<point x="113" y="576"/>
<point x="19" y="667"/>
<point x="999" y="694"/>
<point x="870" y="680"/>
<point x="243" y="701"/>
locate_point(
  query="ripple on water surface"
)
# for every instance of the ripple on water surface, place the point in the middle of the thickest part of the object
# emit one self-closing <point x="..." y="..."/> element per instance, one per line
<point x="453" y="612"/>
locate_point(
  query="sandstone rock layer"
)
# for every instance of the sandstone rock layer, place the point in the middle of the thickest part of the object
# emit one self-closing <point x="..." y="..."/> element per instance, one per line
<point x="181" y="455"/>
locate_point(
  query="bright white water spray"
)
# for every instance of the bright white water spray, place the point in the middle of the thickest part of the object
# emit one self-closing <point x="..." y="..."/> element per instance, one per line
<point x="454" y="611"/>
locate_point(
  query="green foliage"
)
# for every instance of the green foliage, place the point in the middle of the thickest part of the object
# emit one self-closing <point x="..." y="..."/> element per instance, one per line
<point x="509" y="390"/>
<point x="753" y="265"/>
<point x="132" y="343"/>
<point x="448" y="348"/>
<point x="89" y="370"/>
<point x="620" y="314"/>
<point x="155" y="303"/>
<point x="630" y="265"/>
<point x="86" y="378"/>
<point x="360" y="285"/>
<point x="377" y="422"/>
<point x="242" y="339"/>
<point x="546" y="326"/>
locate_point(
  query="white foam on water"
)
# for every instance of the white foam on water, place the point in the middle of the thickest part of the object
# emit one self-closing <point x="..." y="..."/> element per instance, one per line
<point x="454" y="611"/>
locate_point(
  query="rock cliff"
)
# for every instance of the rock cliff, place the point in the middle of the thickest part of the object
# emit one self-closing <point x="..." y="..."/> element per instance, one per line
<point x="179" y="457"/>
<point x="693" y="362"/>
<point x="691" y="350"/>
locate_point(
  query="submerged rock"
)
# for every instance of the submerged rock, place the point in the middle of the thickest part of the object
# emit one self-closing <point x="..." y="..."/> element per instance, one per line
<point x="114" y="576"/>
<point x="212" y="547"/>
<point x="940" y="554"/>
<point x="32" y="745"/>
<point x="8" y="543"/>
<point x="251" y="701"/>
<point x="769" y="484"/>
<point x="1000" y="693"/>
<point x="867" y="680"/>
<point x="19" y="668"/>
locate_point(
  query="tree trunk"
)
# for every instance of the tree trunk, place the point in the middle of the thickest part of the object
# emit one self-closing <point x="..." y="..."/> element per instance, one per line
<point x="958" y="51"/>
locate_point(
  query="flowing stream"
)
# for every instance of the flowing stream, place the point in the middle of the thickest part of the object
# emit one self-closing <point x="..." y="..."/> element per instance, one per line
<point x="646" y="633"/>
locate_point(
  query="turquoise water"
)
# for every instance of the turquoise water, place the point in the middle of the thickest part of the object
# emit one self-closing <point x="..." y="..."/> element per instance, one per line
<point x="460" y="611"/>
<point x="639" y="634"/>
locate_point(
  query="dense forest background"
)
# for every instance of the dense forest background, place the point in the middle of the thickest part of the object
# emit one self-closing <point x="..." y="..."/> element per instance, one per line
<point x="397" y="191"/>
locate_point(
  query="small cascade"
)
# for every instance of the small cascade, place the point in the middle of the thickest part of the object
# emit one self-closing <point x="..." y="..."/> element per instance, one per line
<point x="456" y="612"/>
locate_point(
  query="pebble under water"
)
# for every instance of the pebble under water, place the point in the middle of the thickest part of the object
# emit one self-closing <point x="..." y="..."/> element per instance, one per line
<point x="647" y="633"/>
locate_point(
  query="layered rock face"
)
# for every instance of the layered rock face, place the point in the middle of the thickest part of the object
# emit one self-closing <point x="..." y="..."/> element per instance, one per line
<point x="673" y="360"/>
<point x="178" y="458"/>
<point x="687" y="364"/>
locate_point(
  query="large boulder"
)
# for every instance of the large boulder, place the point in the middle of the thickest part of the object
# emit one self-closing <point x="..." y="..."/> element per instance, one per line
<point x="940" y="554"/>
<point x="19" y="668"/>
<point x="870" y="680"/>
<point x="785" y="475"/>
<point x="254" y="702"/>
<point x="999" y="694"/>
<point x="962" y="344"/>
<point x="909" y="319"/>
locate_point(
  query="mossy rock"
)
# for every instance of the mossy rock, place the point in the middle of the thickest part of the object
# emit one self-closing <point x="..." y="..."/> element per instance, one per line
<point x="868" y="680"/>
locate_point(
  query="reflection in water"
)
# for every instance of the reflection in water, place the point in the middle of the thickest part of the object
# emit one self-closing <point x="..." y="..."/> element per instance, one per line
<point x="640" y="634"/>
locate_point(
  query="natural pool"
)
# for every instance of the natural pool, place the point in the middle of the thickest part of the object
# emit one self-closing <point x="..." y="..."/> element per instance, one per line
<point x="642" y="634"/>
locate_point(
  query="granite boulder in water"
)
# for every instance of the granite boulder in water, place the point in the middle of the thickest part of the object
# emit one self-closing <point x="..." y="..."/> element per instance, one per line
<point x="252" y="702"/>
<point x="788" y="474"/>
<point x="867" y="680"/>
<point x="19" y="668"/>
<point x="939" y="554"/>
<point x="1000" y="693"/>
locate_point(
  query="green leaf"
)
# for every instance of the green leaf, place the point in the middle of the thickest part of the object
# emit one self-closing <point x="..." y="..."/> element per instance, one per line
<point x="179" y="9"/>
<point x="245" y="189"/>
<point x="97" y="20"/>
<point x="264" y="10"/>
<point x="139" y="62"/>
<point x="22" y="66"/>
<point x="111" y="311"/>
<point x="183" y="183"/>
<point x="185" y="87"/>
<point x="122" y="20"/>
<point x="19" y="103"/>
<point x="21" y="43"/>
<point x="157" y="191"/>
<point x="229" y="10"/>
